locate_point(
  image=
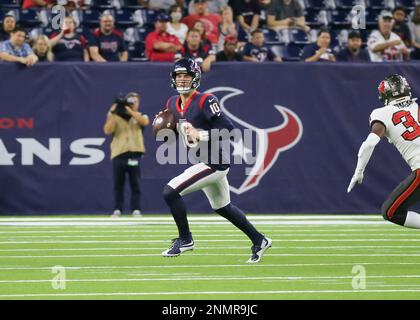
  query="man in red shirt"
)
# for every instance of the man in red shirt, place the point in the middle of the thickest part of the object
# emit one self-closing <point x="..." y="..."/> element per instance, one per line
<point x="160" y="45"/>
<point x="210" y="20"/>
<point x="38" y="3"/>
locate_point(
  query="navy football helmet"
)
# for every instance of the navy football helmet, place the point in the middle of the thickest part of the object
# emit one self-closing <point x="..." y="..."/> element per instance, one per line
<point x="188" y="66"/>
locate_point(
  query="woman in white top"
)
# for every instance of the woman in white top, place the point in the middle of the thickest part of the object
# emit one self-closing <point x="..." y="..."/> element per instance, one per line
<point x="414" y="25"/>
<point x="175" y="27"/>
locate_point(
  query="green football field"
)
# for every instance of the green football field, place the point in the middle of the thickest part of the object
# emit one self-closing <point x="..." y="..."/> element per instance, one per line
<point x="313" y="257"/>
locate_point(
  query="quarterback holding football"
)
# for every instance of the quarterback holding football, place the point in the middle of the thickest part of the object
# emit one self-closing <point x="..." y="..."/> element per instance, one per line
<point x="196" y="115"/>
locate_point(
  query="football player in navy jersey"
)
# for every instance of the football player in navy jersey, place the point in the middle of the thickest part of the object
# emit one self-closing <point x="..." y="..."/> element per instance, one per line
<point x="198" y="115"/>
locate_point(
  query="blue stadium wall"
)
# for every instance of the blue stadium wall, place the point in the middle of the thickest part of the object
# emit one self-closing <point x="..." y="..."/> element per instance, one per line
<point x="316" y="116"/>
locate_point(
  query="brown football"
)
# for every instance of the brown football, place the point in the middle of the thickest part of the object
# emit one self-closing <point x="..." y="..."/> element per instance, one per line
<point x="165" y="120"/>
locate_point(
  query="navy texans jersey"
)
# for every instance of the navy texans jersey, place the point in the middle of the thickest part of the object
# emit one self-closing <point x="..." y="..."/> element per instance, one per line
<point x="202" y="110"/>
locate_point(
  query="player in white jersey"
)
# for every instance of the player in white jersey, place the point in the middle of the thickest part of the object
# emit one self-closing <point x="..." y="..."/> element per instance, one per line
<point x="398" y="121"/>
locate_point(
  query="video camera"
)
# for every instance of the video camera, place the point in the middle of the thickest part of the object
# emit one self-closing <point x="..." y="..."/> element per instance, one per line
<point x="122" y="102"/>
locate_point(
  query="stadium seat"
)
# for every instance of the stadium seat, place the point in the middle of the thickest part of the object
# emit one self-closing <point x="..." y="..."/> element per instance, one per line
<point x="272" y="37"/>
<point x="13" y="4"/>
<point x="319" y="4"/>
<point x="348" y="4"/>
<point x="288" y="52"/>
<point x="316" y="18"/>
<point x="142" y="32"/>
<point x="131" y="36"/>
<point x="105" y="4"/>
<point x="372" y="19"/>
<point x="151" y="15"/>
<point x="380" y="4"/>
<point x="131" y="4"/>
<point x="29" y="18"/>
<point x="298" y="36"/>
<point x="243" y="35"/>
<point x="340" y="18"/>
<point x="91" y="17"/>
<point x="136" y="52"/>
<point x="125" y="18"/>
<point x="408" y="4"/>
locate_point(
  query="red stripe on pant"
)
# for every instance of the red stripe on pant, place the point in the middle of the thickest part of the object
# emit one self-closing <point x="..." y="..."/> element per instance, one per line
<point x="403" y="196"/>
<point x="193" y="179"/>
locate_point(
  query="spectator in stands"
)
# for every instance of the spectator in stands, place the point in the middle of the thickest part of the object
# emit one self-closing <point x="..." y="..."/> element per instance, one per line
<point x="127" y="148"/>
<point x="214" y="6"/>
<point x="160" y="4"/>
<point x="211" y="21"/>
<point x="194" y="49"/>
<point x="68" y="45"/>
<point x="42" y="49"/>
<point x="27" y="4"/>
<point x="257" y="51"/>
<point x="354" y="51"/>
<point x="283" y="14"/>
<point x="107" y="43"/>
<point x="199" y="25"/>
<point x="385" y="45"/>
<point x="400" y="27"/>
<point x="9" y="23"/>
<point x="227" y="26"/>
<point x="16" y="50"/>
<point x="227" y="54"/>
<point x="415" y="32"/>
<point x="247" y="12"/>
<point x="160" y="45"/>
<point x="320" y="50"/>
<point x="175" y="26"/>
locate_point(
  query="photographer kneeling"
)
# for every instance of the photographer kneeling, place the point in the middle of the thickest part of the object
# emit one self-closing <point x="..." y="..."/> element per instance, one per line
<point x="126" y="124"/>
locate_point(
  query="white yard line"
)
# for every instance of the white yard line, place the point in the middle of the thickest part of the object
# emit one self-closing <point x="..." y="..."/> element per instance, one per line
<point x="220" y="254"/>
<point x="195" y="293"/>
<point x="280" y="241"/>
<point x="202" y="218"/>
<point x="215" y="278"/>
<point x="195" y="266"/>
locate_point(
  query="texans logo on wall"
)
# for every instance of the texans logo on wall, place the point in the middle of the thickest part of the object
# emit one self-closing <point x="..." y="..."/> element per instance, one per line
<point x="271" y="141"/>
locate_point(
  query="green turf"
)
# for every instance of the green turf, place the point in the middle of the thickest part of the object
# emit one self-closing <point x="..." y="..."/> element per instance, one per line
<point x="307" y="261"/>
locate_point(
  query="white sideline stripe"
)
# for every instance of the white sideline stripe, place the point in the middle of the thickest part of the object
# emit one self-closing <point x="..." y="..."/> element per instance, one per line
<point x="194" y="266"/>
<point x="117" y="223"/>
<point x="206" y="248"/>
<point x="212" y="278"/>
<point x="231" y="235"/>
<point x="204" y="293"/>
<point x="215" y="240"/>
<point x="222" y="254"/>
<point x="212" y="217"/>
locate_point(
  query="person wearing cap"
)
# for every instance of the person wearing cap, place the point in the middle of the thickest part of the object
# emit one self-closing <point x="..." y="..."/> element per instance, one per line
<point x="211" y="20"/>
<point x="16" y="50"/>
<point x="385" y="45"/>
<point x="160" y="45"/>
<point x="9" y="23"/>
<point x="257" y="51"/>
<point x="354" y="51"/>
<point x="107" y="43"/>
<point x="127" y="149"/>
<point x="400" y="27"/>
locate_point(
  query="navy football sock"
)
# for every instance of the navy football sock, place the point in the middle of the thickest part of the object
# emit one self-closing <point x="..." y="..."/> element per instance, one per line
<point x="178" y="210"/>
<point x="239" y="220"/>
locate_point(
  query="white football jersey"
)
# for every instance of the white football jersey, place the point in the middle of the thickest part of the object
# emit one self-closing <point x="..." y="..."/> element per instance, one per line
<point x="402" y="130"/>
